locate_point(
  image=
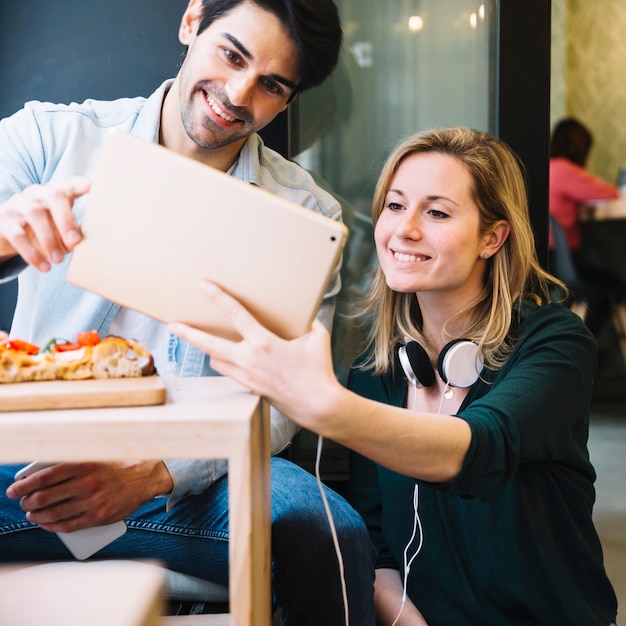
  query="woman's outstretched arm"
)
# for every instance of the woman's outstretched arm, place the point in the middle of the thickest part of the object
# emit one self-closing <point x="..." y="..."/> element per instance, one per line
<point x="297" y="377"/>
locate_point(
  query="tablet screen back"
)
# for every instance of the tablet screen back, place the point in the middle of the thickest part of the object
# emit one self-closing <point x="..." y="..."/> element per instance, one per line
<point x="156" y="223"/>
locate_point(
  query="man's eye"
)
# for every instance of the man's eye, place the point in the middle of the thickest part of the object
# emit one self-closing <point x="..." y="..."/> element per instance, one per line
<point x="232" y="56"/>
<point x="272" y="87"/>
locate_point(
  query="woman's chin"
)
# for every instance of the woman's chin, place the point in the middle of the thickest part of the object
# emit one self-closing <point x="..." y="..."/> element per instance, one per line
<point x="401" y="286"/>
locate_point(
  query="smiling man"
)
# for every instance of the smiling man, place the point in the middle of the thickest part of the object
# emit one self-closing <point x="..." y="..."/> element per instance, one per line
<point x="231" y="85"/>
<point x="245" y="62"/>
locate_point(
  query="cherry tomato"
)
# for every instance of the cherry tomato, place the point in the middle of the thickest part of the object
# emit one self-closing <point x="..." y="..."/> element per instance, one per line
<point x="66" y="347"/>
<point x="88" y="338"/>
<point x="22" y="346"/>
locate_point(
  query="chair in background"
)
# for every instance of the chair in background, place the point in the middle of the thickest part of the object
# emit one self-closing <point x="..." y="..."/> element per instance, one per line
<point x="188" y="595"/>
<point x="582" y="291"/>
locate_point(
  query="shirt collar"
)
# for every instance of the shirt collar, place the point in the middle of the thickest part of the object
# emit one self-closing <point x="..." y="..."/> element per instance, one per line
<point x="148" y="122"/>
<point x="247" y="167"/>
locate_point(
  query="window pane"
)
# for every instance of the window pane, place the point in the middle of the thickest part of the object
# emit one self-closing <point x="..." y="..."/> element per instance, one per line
<point x="406" y="65"/>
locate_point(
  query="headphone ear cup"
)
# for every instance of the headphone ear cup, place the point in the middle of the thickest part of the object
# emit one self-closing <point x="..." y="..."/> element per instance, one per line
<point x="416" y="364"/>
<point x="460" y="363"/>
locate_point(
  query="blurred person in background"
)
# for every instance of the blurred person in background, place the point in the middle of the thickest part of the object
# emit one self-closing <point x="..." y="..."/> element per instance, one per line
<point x="572" y="189"/>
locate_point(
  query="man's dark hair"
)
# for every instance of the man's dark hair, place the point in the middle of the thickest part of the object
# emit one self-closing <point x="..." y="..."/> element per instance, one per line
<point x="313" y="25"/>
<point x="571" y="140"/>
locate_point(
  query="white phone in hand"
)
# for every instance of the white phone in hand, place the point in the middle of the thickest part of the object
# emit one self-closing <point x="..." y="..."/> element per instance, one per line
<point x="81" y="543"/>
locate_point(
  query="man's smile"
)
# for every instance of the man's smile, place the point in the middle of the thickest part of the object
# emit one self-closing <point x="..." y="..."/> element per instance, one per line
<point x="218" y="110"/>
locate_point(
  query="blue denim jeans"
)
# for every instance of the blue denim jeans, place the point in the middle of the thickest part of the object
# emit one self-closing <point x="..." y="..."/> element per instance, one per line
<point x="193" y="538"/>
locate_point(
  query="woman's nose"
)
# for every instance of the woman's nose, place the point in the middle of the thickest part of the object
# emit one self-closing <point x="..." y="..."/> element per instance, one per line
<point x="409" y="226"/>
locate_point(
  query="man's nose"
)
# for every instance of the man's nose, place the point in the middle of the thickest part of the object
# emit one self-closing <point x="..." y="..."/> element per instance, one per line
<point x="240" y="88"/>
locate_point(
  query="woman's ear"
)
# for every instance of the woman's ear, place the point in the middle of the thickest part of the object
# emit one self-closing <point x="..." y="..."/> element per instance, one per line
<point x="495" y="239"/>
<point x="189" y="22"/>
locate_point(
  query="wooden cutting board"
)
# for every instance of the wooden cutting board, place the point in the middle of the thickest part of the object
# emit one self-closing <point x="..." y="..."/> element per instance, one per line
<point x="75" y="394"/>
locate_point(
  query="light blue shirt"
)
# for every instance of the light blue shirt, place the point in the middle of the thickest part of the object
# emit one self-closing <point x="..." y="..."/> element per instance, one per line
<point x="44" y="142"/>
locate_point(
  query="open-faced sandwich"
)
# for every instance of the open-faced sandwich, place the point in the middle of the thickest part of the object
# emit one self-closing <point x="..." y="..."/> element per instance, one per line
<point x="88" y="356"/>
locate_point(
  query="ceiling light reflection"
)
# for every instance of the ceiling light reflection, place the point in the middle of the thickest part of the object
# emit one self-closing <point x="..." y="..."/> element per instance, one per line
<point x="416" y="23"/>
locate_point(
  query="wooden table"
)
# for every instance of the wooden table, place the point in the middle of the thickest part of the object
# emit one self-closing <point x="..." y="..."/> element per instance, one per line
<point x="210" y="417"/>
<point x="609" y="209"/>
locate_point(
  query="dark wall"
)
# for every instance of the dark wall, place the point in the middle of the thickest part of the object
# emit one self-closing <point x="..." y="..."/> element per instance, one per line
<point x="69" y="50"/>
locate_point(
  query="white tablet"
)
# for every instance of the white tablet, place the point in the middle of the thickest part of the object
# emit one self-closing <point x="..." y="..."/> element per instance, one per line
<point x="156" y="223"/>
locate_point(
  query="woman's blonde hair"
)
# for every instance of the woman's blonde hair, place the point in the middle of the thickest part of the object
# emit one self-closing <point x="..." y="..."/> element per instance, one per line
<point x="513" y="273"/>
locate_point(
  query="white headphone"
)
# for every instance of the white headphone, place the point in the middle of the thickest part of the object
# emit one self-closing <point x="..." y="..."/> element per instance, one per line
<point x="459" y="363"/>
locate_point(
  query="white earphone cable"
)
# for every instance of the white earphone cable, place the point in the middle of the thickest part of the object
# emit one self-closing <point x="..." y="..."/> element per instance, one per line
<point x="443" y="395"/>
<point x="407" y="564"/>
<point x="417" y="524"/>
<point x="332" y="530"/>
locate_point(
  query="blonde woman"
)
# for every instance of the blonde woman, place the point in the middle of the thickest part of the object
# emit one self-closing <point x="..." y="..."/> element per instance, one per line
<point x="472" y="471"/>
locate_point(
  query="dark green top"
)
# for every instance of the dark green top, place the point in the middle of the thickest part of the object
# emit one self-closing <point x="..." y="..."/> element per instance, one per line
<point x="511" y="540"/>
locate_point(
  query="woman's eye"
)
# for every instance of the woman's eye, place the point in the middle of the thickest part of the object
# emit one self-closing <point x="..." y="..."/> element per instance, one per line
<point x="394" y="206"/>
<point x="437" y="214"/>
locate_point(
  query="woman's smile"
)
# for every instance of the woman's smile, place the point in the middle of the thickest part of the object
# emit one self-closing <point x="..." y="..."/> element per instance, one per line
<point x="408" y="257"/>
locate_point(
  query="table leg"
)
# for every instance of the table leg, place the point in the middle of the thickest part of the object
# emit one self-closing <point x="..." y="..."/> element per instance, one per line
<point x="250" y="521"/>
